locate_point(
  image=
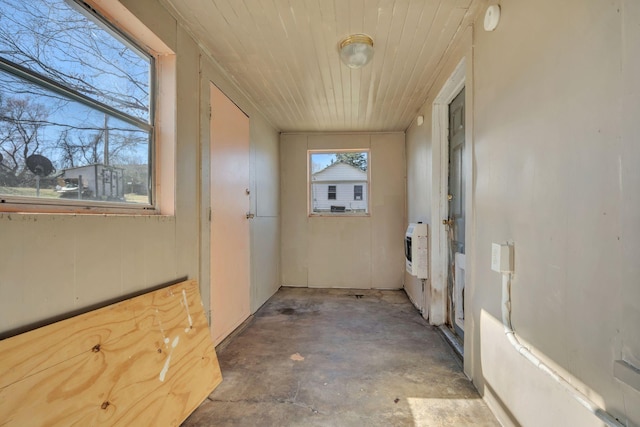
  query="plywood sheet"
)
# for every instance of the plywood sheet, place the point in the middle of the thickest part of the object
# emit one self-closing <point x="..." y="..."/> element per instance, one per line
<point x="148" y="360"/>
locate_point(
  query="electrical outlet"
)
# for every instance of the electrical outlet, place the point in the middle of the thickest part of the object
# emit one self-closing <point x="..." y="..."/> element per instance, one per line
<point x="501" y="257"/>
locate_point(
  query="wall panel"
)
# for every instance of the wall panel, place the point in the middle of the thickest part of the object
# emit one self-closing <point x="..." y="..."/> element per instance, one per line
<point x="554" y="137"/>
<point x="344" y="252"/>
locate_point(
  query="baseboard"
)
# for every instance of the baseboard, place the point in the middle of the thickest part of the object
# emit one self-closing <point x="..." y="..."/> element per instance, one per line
<point x="455" y="343"/>
<point x="237" y="331"/>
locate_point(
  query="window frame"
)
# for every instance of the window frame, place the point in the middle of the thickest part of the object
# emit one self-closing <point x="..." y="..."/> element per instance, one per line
<point x="332" y="190"/>
<point x="355" y="193"/>
<point x="343" y="214"/>
<point x="153" y="52"/>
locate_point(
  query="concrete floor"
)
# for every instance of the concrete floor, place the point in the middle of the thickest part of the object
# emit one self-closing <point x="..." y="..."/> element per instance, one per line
<point x="315" y="357"/>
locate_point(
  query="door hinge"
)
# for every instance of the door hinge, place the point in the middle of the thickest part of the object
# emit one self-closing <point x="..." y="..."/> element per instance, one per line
<point x="210" y="111"/>
<point x="209" y="214"/>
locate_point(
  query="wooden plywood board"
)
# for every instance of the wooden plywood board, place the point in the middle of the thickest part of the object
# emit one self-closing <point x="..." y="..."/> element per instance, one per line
<point x="145" y="361"/>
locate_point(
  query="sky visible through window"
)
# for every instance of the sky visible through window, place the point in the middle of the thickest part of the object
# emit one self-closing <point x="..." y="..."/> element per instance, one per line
<point x="320" y="161"/>
<point x="61" y="42"/>
<point x="52" y="38"/>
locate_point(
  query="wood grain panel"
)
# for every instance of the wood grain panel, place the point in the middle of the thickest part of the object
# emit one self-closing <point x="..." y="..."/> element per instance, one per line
<point x="416" y="80"/>
<point x="394" y="58"/>
<point x="307" y="80"/>
<point x="415" y="31"/>
<point x="325" y="54"/>
<point x="330" y="34"/>
<point x="284" y="55"/>
<point x="272" y="33"/>
<point x="366" y="98"/>
<point x="145" y="361"/>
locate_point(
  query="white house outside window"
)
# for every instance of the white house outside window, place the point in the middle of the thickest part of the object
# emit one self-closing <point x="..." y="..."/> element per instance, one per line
<point x="339" y="182"/>
<point x="77" y="120"/>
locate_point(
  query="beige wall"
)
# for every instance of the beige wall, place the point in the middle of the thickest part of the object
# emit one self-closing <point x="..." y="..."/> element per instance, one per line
<point x="265" y="203"/>
<point x="418" y="198"/>
<point x="555" y="105"/>
<point x="344" y="252"/>
<point x="54" y="264"/>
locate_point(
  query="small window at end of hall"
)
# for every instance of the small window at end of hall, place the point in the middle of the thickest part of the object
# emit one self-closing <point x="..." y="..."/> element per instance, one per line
<point x="76" y="100"/>
<point x="339" y="182"/>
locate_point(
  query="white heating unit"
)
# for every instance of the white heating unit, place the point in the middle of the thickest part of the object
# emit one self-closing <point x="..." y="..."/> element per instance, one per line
<point x="416" y="250"/>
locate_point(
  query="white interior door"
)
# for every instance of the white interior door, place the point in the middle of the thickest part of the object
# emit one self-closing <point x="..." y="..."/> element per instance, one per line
<point x="229" y="240"/>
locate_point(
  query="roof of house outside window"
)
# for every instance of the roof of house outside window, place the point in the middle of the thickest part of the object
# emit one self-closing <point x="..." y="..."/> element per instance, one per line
<point x="340" y="172"/>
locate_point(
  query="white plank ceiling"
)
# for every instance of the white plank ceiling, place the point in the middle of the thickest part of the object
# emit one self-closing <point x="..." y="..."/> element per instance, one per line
<point x="284" y="56"/>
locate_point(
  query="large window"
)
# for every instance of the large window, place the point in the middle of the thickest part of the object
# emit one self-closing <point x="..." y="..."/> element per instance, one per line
<point x="76" y="116"/>
<point x="339" y="182"/>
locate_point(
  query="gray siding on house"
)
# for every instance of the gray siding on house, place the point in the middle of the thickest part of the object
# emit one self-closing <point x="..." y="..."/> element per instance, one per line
<point x="345" y="178"/>
<point x="344" y="196"/>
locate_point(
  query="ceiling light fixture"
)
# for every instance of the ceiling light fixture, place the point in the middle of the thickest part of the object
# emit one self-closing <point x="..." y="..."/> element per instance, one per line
<point x="356" y="50"/>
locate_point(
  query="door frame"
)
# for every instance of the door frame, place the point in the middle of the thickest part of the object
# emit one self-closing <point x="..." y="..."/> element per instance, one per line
<point x="461" y="77"/>
<point x="455" y="278"/>
<point x="210" y="74"/>
<point x="203" y="180"/>
<point x="236" y="195"/>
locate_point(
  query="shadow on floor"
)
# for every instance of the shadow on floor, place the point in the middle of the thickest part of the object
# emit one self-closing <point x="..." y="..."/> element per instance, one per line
<point x="315" y="357"/>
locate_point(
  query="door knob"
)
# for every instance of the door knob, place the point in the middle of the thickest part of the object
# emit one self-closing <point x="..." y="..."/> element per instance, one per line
<point x="448" y="222"/>
<point x="250" y="215"/>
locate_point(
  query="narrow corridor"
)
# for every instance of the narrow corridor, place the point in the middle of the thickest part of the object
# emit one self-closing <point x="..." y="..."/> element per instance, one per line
<point x="315" y="357"/>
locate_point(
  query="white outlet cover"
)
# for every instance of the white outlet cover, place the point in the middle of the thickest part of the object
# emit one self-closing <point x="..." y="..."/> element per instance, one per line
<point x="495" y="257"/>
<point x="501" y="257"/>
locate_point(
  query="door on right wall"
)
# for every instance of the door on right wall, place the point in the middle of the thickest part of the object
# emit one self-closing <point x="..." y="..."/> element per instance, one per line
<point x="456" y="221"/>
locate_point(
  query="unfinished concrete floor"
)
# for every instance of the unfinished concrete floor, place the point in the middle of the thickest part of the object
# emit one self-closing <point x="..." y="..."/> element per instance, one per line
<point x="315" y="357"/>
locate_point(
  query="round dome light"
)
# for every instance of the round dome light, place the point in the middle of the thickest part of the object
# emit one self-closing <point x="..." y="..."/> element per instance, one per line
<point x="356" y="50"/>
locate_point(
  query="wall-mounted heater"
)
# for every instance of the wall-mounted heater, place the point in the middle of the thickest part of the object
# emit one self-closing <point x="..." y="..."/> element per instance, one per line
<point x="416" y="250"/>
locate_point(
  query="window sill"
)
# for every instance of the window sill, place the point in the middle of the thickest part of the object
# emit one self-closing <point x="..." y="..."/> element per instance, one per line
<point x="339" y="215"/>
<point x="54" y="206"/>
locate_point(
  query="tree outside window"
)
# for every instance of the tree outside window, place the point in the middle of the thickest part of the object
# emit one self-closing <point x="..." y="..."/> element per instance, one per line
<point x="74" y="92"/>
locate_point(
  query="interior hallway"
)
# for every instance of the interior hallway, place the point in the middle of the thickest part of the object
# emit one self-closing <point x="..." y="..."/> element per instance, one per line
<point x="318" y="357"/>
